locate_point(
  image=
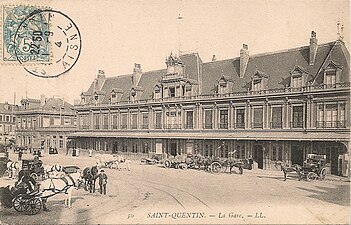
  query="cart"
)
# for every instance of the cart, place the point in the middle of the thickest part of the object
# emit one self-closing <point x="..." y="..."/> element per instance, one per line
<point x="314" y="167"/>
<point x="32" y="167"/>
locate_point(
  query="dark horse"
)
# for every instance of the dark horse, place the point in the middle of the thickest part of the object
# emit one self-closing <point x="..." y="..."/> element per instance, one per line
<point x="90" y="174"/>
<point x="290" y="169"/>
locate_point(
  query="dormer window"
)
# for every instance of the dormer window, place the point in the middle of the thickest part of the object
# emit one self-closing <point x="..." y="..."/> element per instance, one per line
<point x="113" y="97"/>
<point x="157" y="92"/>
<point x="330" y="80"/>
<point x="297" y="82"/>
<point x="331" y="74"/>
<point x="256" y="85"/>
<point x="225" y="84"/>
<point x="259" y="81"/>
<point x="298" y="77"/>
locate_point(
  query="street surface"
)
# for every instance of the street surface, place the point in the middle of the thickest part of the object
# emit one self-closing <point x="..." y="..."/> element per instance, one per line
<point x="153" y="194"/>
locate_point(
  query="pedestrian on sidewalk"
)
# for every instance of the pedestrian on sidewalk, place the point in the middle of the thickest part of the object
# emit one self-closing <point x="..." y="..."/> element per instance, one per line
<point x="90" y="153"/>
<point x="102" y="182"/>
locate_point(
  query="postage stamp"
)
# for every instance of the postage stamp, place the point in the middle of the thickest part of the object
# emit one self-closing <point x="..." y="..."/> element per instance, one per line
<point x="28" y="46"/>
<point x="58" y="31"/>
<point x="46" y="42"/>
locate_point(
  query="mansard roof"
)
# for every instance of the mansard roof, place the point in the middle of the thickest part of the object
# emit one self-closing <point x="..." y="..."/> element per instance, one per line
<point x="277" y="65"/>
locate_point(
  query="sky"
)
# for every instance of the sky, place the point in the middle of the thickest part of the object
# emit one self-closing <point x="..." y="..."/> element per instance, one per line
<point x="116" y="34"/>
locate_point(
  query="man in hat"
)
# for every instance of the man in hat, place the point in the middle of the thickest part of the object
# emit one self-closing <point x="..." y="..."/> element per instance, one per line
<point x="102" y="181"/>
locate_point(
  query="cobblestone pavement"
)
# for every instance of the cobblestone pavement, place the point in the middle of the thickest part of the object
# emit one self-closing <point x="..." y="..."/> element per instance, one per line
<point x="153" y="194"/>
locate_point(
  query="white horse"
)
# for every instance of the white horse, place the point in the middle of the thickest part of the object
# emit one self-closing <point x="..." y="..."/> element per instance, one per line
<point x="52" y="170"/>
<point x="13" y="169"/>
<point x="63" y="184"/>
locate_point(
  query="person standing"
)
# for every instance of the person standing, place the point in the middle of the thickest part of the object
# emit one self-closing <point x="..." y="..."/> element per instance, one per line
<point x="102" y="182"/>
<point x="90" y="153"/>
<point x="20" y="155"/>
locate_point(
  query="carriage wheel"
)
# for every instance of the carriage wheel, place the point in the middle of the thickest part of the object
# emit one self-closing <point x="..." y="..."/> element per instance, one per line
<point x="311" y="176"/>
<point x="216" y="167"/>
<point x="183" y="166"/>
<point x="20" y="204"/>
<point x="167" y="164"/>
<point x="323" y="174"/>
<point x="34" y="206"/>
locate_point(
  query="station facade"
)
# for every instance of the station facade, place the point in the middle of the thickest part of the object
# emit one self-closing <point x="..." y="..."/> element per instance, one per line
<point x="273" y="106"/>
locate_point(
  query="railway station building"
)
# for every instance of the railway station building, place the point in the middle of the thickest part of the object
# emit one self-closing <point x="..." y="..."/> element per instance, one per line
<point x="44" y="123"/>
<point x="273" y="106"/>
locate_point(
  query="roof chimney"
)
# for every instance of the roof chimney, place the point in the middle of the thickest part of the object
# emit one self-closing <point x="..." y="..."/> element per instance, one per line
<point x="214" y="58"/>
<point x="244" y="59"/>
<point x="313" y="47"/>
<point x="137" y="72"/>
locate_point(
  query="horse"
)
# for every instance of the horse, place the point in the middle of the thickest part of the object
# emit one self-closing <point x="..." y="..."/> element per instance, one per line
<point x="64" y="184"/>
<point x="13" y="168"/>
<point x="90" y="174"/>
<point x="52" y="170"/>
<point x="289" y="169"/>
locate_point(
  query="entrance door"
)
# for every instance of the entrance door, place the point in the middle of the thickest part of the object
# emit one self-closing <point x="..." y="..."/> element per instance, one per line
<point x="296" y="155"/>
<point x="334" y="160"/>
<point x="258" y="155"/>
<point x="173" y="149"/>
<point x="114" y="149"/>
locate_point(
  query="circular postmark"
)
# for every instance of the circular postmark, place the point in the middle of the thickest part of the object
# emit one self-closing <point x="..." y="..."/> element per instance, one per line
<point x="47" y="43"/>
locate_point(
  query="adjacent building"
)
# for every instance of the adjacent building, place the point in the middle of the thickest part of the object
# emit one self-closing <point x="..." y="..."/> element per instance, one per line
<point x="7" y="122"/>
<point x="272" y="106"/>
<point x="44" y="123"/>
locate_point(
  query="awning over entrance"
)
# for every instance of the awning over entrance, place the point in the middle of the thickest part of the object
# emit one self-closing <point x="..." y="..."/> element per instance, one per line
<point x="239" y="135"/>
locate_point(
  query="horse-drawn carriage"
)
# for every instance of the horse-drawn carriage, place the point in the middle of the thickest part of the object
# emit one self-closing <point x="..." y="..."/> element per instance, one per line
<point x="210" y="164"/>
<point x="109" y="161"/>
<point x="314" y="167"/>
<point x="32" y="167"/>
<point x="28" y="203"/>
<point x="154" y="159"/>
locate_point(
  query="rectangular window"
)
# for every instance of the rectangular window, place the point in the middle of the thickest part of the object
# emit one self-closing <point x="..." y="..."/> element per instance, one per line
<point x="84" y="121"/>
<point x="134" y="121"/>
<point x="62" y="120"/>
<point x="145" y="121"/>
<point x="189" y="119"/>
<point x="297" y="117"/>
<point x="320" y="119"/>
<point x="208" y="119"/>
<point x="60" y="143"/>
<point x="124" y="121"/>
<point x="114" y="121"/>
<point x="172" y="92"/>
<point x="276" y="117"/>
<point x="223" y="119"/>
<point x="105" y="121"/>
<point x="297" y="82"/>
<point x="97" y="121"/>
<point x="331" y="115"/>
<point x="256" y="85"/>
<point x="258" y="118"/>
<point x="342" y="122"/>
<point x="7" y="118"/>
<point x="240" y="118"/>
<point x="52" y="120"/>
<point x="0" y="118"/>
<point x="330" y="78"/>
<point x="158" y="120"/>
